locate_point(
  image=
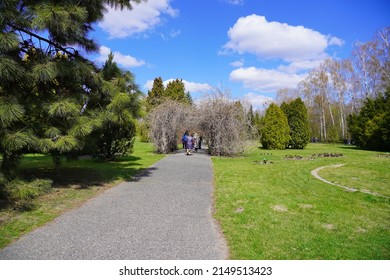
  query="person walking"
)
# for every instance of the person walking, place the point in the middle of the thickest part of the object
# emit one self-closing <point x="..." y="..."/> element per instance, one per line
<point x="195" y="139"/>
<point x="189" y="144"/>
<point x="184" y="139"/>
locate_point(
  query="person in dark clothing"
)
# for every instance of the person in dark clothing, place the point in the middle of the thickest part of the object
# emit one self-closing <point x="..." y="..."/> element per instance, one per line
<point x="184" y="139"/>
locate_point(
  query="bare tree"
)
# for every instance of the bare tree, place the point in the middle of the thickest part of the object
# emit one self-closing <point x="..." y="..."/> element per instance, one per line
<point x="287" y="95"/>
<point x="223" y="123"/>
<point x="371" y="64"/>
<point x="167" y="121"/>
<point x="337" y="70"/>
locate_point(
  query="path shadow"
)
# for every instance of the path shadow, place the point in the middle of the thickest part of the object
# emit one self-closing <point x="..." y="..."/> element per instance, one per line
<point x="143" y="173"/>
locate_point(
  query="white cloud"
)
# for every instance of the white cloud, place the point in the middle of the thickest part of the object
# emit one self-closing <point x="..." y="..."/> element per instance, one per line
<point x="258" y="101"/>
<point x="196" y="87"/>
<point x="265" y="80"/>
<point x="237" y="63"/>
<point x="172" y="34"/>
<point x="189" y="86"/>
<point x="234" y="2"/>
<point x="254" y="34"/>
<point x="175" y="33"/>
<point x="126" y="61"/>
<point x="298" y="48"/>
<point x="298" y="66"/>
<point x="143" y="17"/>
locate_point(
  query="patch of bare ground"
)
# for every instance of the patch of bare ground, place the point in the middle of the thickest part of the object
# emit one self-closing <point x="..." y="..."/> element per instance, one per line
<point x="280" y="208"/>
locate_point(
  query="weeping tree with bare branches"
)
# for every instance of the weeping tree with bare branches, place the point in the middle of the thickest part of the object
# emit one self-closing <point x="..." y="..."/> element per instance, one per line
<point x="223" y="123"/>
<point x="167" y="121"/>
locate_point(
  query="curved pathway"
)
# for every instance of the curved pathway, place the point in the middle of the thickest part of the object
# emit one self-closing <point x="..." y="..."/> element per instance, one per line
<point x="164" y="213"/>
<point x="315" y="174"/>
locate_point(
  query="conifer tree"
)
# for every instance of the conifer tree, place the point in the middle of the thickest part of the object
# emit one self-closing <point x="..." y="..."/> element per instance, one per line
<point x="156" y="95"/>
<point x="275" y="133"/>
<point x="175" y="90"/>
<point x="46" y="86"/>
<point x="370" y="129"/>
<point x="298" y="122"/>
<point x="118" y="109"/>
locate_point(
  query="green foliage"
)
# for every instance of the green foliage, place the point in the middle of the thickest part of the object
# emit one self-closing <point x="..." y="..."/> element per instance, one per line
<point x="115" y="126"/>
<point x="298" y="122"/>
<point x="370" y="129"/>
<point x="10" y="70"/>
<point x="16" y="141"/>
<point x="52" y="98"/>
<point x="110" y="68"/>
<point x="63" y="109"/>
<point x="275" y="130"/>
<point x="175" y="90"/>
<point x="8" y="42"/>
<point x="156" y="94"/>
<point x="22" y="193"/>
<point x="143" y="130"/>
<point x="114" y="140"/>
<point x="10" y="112"/>
<point x="45" y="72"/>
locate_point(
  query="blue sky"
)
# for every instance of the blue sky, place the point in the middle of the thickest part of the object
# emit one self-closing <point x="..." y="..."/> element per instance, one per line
<point x="250" y="48"/>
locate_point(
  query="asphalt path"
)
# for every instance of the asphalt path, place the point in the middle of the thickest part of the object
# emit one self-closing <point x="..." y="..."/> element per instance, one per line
<point x="164" y="213"/>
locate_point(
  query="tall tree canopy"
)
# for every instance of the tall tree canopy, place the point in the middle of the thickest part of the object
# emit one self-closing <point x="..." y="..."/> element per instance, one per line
<point x="47" y="89"/>
<point x="156" y="94"/>
<point x="175" y="90"/>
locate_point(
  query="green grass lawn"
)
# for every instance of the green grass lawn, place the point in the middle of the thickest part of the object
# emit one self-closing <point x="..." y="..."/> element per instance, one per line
<point x="280" y="211"/>
<point x="73" y="183"/>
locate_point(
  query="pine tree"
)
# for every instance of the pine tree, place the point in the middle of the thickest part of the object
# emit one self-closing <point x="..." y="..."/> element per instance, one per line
<point x="119" y="107"/>
<point x="175" y="90"/>
<point x="156" y="95"/>
<point x="370" y="129"/>
<point x="46" y="86"/>
<point x="275" y="132"/>
<point x="298" y="122"/>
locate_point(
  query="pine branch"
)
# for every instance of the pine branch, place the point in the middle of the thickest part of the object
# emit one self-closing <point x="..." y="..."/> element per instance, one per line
<point x="74" y="54"/>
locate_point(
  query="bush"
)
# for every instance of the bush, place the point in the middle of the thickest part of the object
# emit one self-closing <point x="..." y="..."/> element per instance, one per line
<point x="143" y="130"/>
<point x="112" y="140"/>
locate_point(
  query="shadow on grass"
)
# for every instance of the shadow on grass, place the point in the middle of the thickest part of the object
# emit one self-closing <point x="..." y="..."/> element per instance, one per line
<point x="351" y="147"/>
<point x="83" y="173"/>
